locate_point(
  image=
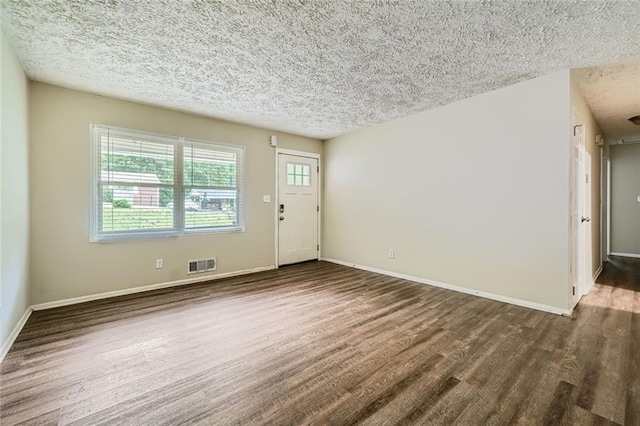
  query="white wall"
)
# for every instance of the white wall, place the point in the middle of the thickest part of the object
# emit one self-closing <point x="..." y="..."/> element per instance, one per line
<point x="472" y="194"/>
<point x="625" y="190"/>
<point x="65" y="264"/>
<point x="593" y="162"/>
<point x="14" y="191"/>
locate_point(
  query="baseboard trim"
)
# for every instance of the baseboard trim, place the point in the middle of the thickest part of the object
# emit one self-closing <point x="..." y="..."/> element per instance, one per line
<point x="486" y="295"/>
<point x="593" y="280"/>
<point x="14" y="333"/>
<point x="597" y="274"/>
<point x="142" y="289"/>
<point x="636" y="256"/>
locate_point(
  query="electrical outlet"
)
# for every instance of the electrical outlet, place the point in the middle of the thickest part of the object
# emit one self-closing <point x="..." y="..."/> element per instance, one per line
<point x="266" y="198"/>
<point x="159" y="263"/>
<point x="392" y="254"/>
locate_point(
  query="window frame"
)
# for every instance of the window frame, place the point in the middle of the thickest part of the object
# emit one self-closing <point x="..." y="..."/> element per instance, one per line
<point x="179" y="226"/>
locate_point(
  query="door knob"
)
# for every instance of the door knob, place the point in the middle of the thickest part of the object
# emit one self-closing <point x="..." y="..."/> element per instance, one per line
<point x="585" y="219"/>
<point x="281" y="217"/>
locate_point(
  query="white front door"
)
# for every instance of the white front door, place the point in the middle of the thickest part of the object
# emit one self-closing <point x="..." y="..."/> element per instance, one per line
<point x="298" y="209"/>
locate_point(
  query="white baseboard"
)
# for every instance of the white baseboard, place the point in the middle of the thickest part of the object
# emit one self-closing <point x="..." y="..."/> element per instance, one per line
<point x="597" y="274"/>
<point x="486" y="295"/>
<point x="637" y="256"/>
<point x="108" y="294"/>
<point x="593" y="280"/>
<point x="6" y="345"/>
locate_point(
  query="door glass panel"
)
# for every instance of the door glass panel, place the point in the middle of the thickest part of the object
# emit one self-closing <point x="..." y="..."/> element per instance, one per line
<point x="298" y="174"/>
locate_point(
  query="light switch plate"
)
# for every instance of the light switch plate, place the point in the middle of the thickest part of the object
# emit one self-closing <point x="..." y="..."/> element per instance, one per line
<point x="266" y="198"/>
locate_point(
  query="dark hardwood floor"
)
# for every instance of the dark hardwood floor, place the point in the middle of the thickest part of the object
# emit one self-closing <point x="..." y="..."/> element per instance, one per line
<point x="318" y="343"/>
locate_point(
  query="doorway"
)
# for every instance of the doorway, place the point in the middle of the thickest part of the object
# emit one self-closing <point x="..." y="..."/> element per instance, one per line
<point x="298" y="207"/>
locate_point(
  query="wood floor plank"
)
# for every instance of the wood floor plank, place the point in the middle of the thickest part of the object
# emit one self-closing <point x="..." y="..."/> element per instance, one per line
<point x="560" y="404"/>
<point x="632" y="408"/>
<point x="318" y="343"/>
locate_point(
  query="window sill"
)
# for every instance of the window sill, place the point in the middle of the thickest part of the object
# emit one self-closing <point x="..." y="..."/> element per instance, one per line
<point x="117" y="238"/>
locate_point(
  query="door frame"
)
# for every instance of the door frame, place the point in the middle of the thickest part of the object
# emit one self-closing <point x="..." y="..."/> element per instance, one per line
<point x="276" y="213"/>
<point x="607" y="203"/>
<point x="578" y="248"/>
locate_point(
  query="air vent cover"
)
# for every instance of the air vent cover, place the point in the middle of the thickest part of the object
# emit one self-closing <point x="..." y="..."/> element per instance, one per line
<point x="196" y="266"/>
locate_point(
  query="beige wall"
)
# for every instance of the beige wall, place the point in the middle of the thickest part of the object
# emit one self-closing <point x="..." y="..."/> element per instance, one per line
<point x="593" y="163"/>
<point x="65" y="264"/>
<point x="625" y="208"/>
<point x="472" y="194"/>
<point x="14" y="191"/>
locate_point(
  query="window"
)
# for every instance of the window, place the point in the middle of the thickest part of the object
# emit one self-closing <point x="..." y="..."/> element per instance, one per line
<point x="298" y="174"/>
<point x="150" y="185"/>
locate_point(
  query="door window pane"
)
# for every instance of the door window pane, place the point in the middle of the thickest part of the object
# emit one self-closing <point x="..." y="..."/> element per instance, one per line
<point x="298" y="174"/>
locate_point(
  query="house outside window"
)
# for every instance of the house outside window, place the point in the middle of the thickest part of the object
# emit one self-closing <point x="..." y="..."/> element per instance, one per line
<point x="147" y="185"/>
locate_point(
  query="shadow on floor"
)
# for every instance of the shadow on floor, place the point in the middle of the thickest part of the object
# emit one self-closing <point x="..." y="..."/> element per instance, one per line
<point x="621" y="272"/>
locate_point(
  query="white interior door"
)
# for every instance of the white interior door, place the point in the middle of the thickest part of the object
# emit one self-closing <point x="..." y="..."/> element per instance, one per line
<point x="298" y="209"/>
<point x="581" y="216"/>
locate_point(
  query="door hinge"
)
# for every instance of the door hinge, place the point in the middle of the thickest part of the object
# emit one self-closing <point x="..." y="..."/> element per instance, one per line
<point x="318" y="247"/>
<point x="575" y="127"/>
<point x="317" y="208"/>
<point x="318" y="169"/>
<point x="574" y="290"/>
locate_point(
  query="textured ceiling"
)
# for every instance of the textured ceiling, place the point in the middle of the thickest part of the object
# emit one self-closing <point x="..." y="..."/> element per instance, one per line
<point x="316" y="68"/>
<point x="613" y="93"/>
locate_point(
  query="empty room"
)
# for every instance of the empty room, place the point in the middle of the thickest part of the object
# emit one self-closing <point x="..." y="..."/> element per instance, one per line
<point x="319" y="212"/>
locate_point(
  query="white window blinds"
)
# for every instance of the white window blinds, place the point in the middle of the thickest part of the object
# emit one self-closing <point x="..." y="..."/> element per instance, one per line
<point x="212" y="185"/>
<point x="155" y="185"/>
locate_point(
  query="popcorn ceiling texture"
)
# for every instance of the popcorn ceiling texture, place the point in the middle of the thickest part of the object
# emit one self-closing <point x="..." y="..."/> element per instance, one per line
<point x="312" y="67"/>
<point x="614" y="96"/>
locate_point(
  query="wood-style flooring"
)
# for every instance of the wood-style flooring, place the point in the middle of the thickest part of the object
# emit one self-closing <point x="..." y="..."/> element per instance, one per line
<point x="318" y="343"/>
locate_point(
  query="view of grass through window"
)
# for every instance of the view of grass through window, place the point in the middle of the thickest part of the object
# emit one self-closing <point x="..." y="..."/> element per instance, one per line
<point x="122" y="219"/>
<point x="139" y="180"/>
